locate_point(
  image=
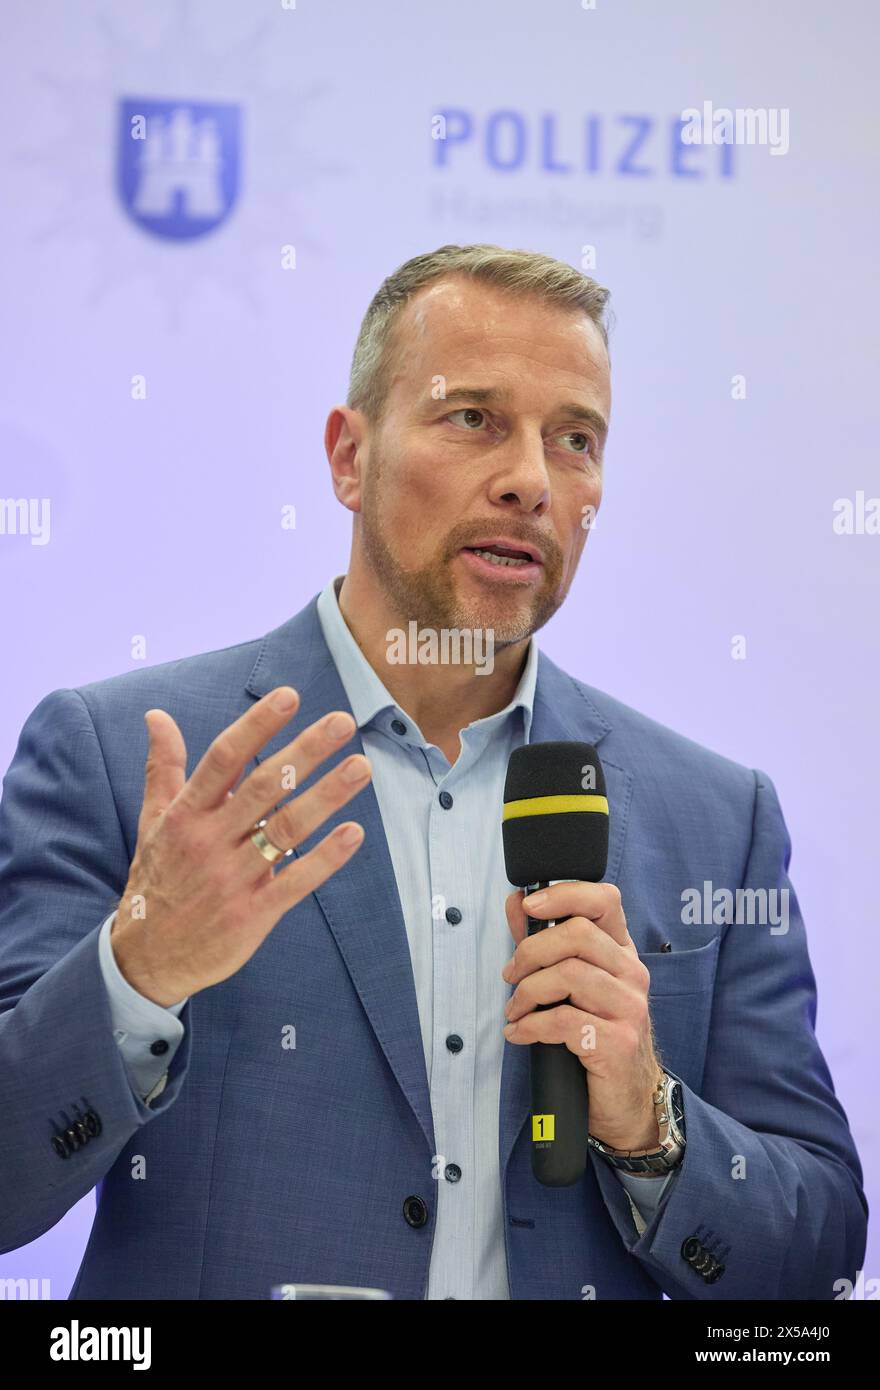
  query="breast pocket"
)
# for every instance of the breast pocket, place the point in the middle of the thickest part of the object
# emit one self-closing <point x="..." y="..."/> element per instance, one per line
<point x="680" y="1000"/>
<point x="682" y="972"/>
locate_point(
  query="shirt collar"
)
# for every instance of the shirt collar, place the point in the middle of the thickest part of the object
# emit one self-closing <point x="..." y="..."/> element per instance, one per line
<point x="366" y="693"/>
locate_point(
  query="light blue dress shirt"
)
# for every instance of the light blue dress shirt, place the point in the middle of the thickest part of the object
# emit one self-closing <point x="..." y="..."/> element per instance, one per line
<point x="449" y="866"/>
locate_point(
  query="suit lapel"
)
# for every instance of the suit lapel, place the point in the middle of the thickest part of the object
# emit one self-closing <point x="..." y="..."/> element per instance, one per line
<point x="362" y="904"/>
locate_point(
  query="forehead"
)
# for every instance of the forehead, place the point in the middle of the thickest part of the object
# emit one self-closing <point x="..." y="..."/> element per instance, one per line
<point x="459" y="324"/>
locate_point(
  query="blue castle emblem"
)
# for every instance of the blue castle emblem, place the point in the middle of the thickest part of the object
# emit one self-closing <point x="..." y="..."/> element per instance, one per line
<point x="178" y="165"/>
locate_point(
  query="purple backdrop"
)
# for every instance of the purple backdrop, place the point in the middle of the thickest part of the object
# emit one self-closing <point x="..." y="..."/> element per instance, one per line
<point x="165" y="374"/>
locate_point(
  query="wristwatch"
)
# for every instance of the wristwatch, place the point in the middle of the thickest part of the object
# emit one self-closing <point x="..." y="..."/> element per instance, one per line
<point x="669" y="1108"/>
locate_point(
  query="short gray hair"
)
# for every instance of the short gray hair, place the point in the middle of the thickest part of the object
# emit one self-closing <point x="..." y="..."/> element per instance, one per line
<point x="520" y="272"/>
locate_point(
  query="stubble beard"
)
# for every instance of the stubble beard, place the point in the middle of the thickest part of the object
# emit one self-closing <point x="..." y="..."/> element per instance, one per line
<point x="430" y="595"/>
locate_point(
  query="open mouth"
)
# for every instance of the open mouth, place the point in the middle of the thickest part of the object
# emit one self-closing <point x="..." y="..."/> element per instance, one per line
<point x="497" y="564"/>
<point x="502" y="556"/>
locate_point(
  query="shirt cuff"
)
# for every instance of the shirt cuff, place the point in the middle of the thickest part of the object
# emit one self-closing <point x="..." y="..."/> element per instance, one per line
<point x="139" y="1024"/>
<point x="645" y="1192"/>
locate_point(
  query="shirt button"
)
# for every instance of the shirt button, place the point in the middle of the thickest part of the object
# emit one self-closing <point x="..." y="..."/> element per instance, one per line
<point x="158" y="1047"/>
<point x="445" y="800"/>
<point x="453" y="915"/>
<point x="454" y="1042"/>
<point x="453" y="1172"/>
<point x="398" y="726"/>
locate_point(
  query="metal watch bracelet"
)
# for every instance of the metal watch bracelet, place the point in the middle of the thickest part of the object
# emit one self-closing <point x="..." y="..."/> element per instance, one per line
<point x="670" y="1123"/>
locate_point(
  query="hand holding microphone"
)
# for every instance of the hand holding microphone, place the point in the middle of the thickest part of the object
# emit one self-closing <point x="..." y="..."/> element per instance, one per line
<point x="581" y="996"/>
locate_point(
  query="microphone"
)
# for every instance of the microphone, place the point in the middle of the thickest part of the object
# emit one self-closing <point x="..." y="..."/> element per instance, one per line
<point x="555" y="826"/>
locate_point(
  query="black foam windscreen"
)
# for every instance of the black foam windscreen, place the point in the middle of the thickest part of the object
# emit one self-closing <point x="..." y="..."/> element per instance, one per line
<point x="555" y="817"/>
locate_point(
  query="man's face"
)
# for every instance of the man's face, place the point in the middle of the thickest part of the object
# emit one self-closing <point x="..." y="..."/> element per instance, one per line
<point x="492" y="433"/>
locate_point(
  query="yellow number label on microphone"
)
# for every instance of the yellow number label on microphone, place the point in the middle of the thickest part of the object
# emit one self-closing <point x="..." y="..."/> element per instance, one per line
<point x="543" y="1127"/>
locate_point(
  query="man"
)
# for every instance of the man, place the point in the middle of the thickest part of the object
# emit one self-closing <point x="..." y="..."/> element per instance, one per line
<point x="318" y="1072"/>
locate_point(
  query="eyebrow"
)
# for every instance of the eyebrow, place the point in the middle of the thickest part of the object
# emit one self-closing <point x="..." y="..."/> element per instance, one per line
<point x="490" y="395"/>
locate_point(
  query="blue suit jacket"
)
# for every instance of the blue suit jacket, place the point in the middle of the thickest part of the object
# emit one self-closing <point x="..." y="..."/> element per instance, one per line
<point x="266" y="1166"/>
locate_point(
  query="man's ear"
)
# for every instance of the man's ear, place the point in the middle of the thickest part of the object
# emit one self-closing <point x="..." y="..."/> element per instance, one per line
<point x="344" y="441"/>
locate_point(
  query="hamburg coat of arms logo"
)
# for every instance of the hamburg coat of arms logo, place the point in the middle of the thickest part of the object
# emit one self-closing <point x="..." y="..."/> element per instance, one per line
<point x="178" y="165"/>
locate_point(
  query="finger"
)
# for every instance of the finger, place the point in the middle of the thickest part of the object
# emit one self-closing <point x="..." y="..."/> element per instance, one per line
<point x="600" y="902"/>
<point x="270" y="783"/>
<point x="516" y="918"/>
<point x="299" y="818"/>
<point x="577" y="981"/>
<point x="564" y="1024"/>
<point x="302" y="876"/>
<point x="575" y="938"/>
<point x="165" y="770"/>
<point x="233" y="748"/>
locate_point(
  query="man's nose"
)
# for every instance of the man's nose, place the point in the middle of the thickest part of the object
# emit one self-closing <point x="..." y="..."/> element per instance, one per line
<point x="522" y="477"/>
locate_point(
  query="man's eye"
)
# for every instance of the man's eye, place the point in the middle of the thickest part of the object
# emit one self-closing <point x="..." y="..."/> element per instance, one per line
<point x="472" y="418"/>
<point x="583" y="443"/>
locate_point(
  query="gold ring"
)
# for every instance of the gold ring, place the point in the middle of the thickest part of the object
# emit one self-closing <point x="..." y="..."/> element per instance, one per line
<point x="265" y="845"/>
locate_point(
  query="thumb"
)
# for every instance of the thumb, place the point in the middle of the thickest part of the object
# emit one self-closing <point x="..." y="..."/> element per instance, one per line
<point x="165" y="772"/>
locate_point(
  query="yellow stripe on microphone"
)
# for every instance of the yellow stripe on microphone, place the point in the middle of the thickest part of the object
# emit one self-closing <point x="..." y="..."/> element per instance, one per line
<point x="554" y="805"/>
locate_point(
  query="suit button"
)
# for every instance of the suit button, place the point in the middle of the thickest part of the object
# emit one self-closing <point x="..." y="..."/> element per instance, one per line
<point x="72" y="1139"/>
<point x="453" y="1172"/>
<point x="93" y="1122"/>
<point x="59" y="1146"/>
<point x="691" y="1250"/>
<point x="81" y="1131"/>
<point x="159" y="1047"/>
<point x="713" y="1275"/>
<point x="705" y="1261"/>
<point x="454" y="1042"/>
<point x="415" y="1212"/>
